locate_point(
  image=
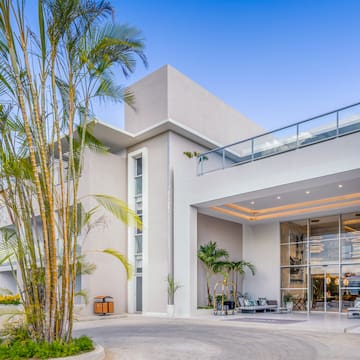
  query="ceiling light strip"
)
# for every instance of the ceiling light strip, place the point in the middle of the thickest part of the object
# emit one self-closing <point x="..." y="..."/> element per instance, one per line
<point x="232" y="213"/>
<point x="311" y="209"/>
<point x="293" y="206"/>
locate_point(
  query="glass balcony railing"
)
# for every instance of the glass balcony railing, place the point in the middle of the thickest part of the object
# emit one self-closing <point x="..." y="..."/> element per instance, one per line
<point x="324" y="127"/>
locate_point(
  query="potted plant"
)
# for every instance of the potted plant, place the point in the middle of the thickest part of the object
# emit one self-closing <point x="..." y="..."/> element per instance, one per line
<point x="288" y="301"/>
<point x="172" y="288"/>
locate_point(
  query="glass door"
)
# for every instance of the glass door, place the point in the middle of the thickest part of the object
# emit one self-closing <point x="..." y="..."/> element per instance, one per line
<point x="324" y="288"/>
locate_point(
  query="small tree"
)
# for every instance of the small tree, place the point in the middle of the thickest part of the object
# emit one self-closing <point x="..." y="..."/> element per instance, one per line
<point x="209" y="255"/>
<point x="50" y="76"/>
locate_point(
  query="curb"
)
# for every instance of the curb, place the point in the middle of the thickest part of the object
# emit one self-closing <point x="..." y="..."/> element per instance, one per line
<point x="349" y="330"/>
<point x="97" y="354"/>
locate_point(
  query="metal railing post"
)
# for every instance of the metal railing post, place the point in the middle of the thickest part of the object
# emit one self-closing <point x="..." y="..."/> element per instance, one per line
<point x="252" y="149"/>
<point x="297" y="135"/>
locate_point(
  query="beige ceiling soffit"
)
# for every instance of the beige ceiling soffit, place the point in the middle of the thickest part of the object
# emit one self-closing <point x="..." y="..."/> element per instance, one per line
<point x="302" y="211"/>
<point x="352" y="221"/>
<point x="349" y="228"/>
<point x="241" y="208"/>
<point x="232" y="213"/>
<point x="294" y="205"/>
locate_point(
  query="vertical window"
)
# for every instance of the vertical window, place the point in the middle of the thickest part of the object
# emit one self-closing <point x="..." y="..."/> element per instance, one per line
<point x="138" y="236"/>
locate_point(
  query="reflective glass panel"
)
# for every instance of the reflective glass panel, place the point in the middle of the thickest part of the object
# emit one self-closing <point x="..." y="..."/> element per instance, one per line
<point x="238" y="153"/>
<point x="349" y="120"/>
<point x="298" y="298"/>
<point x="138" y="185"/>
<point x="294" y="277"/>
<point x="324" y="240"/>
<point x="138" y="168"/>
<point x="350" y="237"/>
<point x="316" y="130"/>
<point x="276" y="142"/>
<point x="138" y="243"/>
<point x="293" y="243"/>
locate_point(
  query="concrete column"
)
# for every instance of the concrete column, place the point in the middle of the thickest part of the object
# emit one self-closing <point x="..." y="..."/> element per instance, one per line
<point x="185" y="259"/>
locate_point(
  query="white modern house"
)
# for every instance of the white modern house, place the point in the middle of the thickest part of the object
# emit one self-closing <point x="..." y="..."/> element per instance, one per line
<point x="287" y="201"/>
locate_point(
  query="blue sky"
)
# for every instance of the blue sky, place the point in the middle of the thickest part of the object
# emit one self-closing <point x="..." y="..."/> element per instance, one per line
<point x="276" y="61"/>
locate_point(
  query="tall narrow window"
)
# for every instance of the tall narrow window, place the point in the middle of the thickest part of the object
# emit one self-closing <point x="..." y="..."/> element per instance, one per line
<point x="138" y="236"/>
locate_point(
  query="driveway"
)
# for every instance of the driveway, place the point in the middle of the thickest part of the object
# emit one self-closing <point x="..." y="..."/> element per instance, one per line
<point x="143" y="338"/>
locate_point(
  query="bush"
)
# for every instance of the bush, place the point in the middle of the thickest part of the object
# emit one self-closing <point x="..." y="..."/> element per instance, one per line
<point x="10" y="299"/>
<point x="29" y="349"/>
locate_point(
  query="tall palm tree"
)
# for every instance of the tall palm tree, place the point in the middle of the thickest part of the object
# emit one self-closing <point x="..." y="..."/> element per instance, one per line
<point x="50" y="78"/>
<point x="234" y="269"/>
<point x="239" y="268"/>
<point x="209" y="254"/>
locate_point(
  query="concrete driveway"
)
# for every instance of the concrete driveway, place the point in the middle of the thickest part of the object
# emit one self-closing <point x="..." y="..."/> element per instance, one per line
<point x="154" y="339"/>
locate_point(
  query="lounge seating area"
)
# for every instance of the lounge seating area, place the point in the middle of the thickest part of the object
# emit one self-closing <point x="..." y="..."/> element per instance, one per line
<point x="262" y="304"/>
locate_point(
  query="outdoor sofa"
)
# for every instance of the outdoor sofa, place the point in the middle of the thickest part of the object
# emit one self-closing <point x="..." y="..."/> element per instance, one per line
<point x="262" y="304"/>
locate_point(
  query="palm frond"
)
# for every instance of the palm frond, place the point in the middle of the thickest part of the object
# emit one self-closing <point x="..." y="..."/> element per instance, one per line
<point x="123" y="259"/>
<point x="83" y="294"/>
<point x="119" y="209"/>
<point x="84" y="267"/>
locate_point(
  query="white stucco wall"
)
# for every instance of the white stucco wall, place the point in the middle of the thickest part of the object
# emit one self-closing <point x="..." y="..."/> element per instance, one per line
<point x="168" y="94"/>
<point x="261" y="246"/>
<point x="7" y="282"/>
<point x="105" y="174"/>
<point x="228" y="236"/>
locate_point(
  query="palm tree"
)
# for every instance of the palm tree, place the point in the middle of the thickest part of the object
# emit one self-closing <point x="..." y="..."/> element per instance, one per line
<point x="209" y="255"/>
<point x="233" y="268"/>
<point x="239" y="268"/>
<point x="49" y="81"/>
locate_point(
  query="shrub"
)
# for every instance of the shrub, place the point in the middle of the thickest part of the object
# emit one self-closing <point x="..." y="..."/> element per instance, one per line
<point x="28" y="349"/>
<point x="10" y="299"/>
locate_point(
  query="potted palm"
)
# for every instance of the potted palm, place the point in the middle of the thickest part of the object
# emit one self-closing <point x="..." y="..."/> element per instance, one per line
<point x="288" y="301"/>
<point x="172" y="288"/>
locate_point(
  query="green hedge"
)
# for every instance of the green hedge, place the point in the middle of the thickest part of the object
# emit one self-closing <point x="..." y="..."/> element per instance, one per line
<point x="28" y="349"/>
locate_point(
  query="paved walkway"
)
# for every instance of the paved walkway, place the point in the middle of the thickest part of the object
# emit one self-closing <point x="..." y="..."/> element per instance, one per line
<point x="141" y="338"/>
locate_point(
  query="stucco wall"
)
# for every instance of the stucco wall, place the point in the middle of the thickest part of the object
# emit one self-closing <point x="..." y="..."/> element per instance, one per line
<point x="261" y="246"/>
<point x="227" y="235"/>
<point x="7" y="282"/>
<point x="105" y="174"/>
<point x="168" y="94"/>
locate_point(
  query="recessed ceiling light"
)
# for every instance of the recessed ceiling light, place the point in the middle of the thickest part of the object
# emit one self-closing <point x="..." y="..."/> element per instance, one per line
<point x="340" y="186"/>
<point x="307" y="192"/>
<point x="252" y="202"/>
<point x="278" y="197"/>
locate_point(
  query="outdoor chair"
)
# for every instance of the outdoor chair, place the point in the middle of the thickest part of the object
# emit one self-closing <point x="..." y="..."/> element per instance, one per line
<point x="354" y="312"/>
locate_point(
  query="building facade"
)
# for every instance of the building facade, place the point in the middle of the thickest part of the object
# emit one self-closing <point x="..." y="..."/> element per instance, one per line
<point x="287" y="201"/>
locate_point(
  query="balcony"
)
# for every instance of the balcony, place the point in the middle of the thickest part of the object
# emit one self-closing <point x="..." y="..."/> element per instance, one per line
<point x="334" y="124"/>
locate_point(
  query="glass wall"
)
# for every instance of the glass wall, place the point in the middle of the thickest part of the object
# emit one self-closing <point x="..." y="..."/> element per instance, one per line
<point x="294" y="262"/>
<point x="320" y="262"/>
